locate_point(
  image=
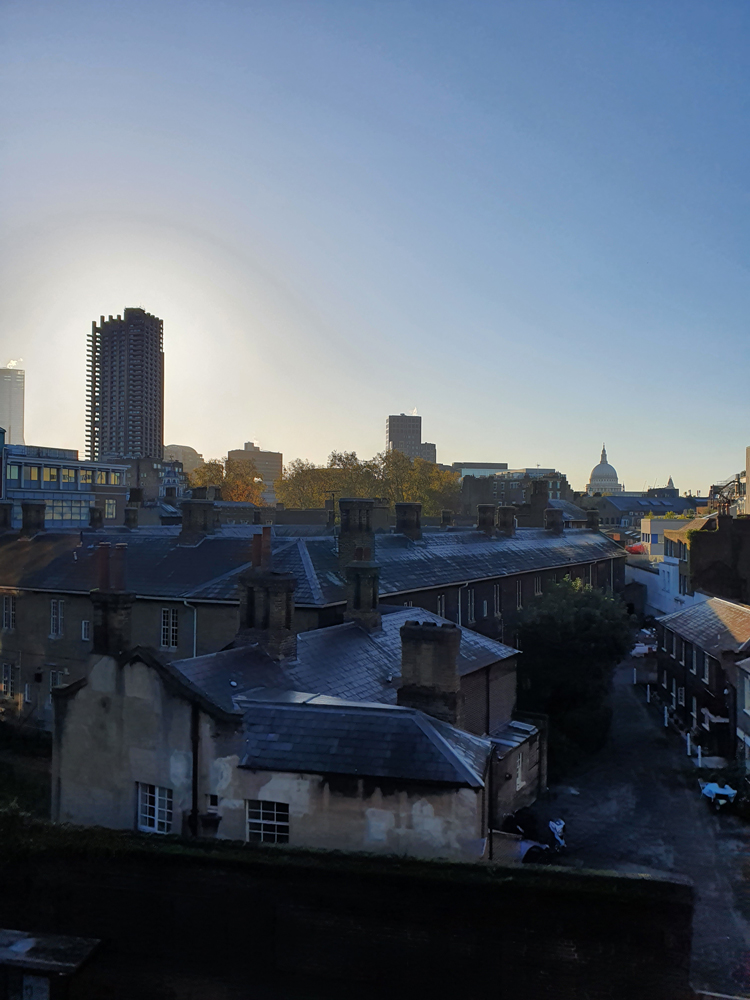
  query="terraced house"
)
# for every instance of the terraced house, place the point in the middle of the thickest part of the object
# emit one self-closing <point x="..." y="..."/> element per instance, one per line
<point x="182" y="582"/>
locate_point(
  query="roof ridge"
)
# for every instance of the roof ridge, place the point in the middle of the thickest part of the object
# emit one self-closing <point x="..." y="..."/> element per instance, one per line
<point x="426" y="724"/>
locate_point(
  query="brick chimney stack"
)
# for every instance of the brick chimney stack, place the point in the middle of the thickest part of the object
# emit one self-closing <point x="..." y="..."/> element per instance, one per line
<point x="446" y="518"/>
<point x="362" y="586"/>
<point x="506" y="521"/>
<point x="592" y="519"/>
<point x="32" y="514"/>
<point x="267" y="608"/>
<point x="96" y="518"/>
<point x="197" y="521"/>
<point x="486" y="518"/>
<point x="553" y="520"/>
<point x="6" y="515"/>
<point x="113" y="607"/>
<point x="429" y="670"/>
<point x="355" y="531"/>
<point x="409" y="520"/>
<point x="131" y="518"/>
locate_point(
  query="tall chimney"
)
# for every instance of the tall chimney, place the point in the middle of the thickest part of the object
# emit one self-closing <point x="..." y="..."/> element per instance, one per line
<point x="32" y="514"/>
<point x="429" y="670"/>
<point x="506" y="521"/>
<point x="446" y="518"/>
<point x="486" y="518"/>
<point x="267" y="612"/>
<point x="96" y="518"/>
<point x="131" y="517"/>
<point x="355" y="531"/>
<point x="6" y="515"/>
<point x="553" y="520"/>
<point x="135" y="496"/>
<point x="409" y="520"/>
<point x="592" y="519"/>
<point x="117" y="564"/>
<point x="362" y="586"/>
<point x="266" y="554"/>
<point x="112" y="606"/>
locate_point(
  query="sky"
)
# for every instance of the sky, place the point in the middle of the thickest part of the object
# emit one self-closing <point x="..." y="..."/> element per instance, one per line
<point x="527" y="219"/>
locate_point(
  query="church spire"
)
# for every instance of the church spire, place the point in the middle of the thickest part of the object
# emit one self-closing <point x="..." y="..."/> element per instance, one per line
<point x="604" y="455"/>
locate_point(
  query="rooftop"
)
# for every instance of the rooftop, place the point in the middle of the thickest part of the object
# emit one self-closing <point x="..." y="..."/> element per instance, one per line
<point x="158" y="565"/>
<point x="374" y="741"/>
<point x="716" y="625"/>
<point x="341" y="661"/>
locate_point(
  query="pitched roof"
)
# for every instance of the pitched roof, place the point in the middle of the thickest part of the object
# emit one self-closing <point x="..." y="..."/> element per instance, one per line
<point x="656" y="504"/>
<point x="716" y="625"/>
<point x="373" y="741"/>
<point x="157" y="565"/>
<point x="571" y="512"/>
<point x="342" y="661"/>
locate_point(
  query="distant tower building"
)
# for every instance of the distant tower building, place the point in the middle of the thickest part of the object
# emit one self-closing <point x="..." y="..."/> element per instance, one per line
<point x="403" y="432"/>
<point x="603" y="478"/>
<point x="126" y="388"/>
<point x="12" y="383"/>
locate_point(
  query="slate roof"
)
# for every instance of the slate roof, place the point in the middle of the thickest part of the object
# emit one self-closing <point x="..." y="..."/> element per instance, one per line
<point x="341" y="661"/>
<point x="715" y="625"/>
<point x="157" y="565"/>
<point x="571" y="512"/>
<point x="373" y="741"/>
<point x="647" y="504"/>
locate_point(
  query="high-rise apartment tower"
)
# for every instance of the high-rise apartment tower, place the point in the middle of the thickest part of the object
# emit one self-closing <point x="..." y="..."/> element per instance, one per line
<point x="12" y="381"/>
<point x="126" y="387"/>
<point x="403" y="432"/>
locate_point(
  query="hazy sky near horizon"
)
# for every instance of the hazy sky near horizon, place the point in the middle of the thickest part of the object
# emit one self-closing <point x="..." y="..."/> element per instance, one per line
<point x="527" y="219"/>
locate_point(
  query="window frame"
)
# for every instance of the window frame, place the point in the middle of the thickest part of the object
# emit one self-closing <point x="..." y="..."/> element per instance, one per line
<point x="85" y="630"/>
<point x="170" y="628"/>
<point x="151" y="802"/>
<point x="441" y="605"/>
<point x="56" y="618"/>
<point x="110" y="509"/>
<point x="9" y="612"/>
<point x="706" y="671"/>
<point x="538" y="585"/>
<point x="519" y="594"/>
<point x="471" y="615"/>
<point x="272" y="828"/>
<point x="497" y="598"/>
<point x="8" y="684"/>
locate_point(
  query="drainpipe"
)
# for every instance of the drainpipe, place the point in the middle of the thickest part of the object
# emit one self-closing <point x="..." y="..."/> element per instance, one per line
<point x="195" y="626"/>
<point x="460" y="588"/>
<point x="195" y="746"/>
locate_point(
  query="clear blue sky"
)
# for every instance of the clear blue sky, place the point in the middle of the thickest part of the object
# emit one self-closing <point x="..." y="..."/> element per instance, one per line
<point x="527" y="219"/>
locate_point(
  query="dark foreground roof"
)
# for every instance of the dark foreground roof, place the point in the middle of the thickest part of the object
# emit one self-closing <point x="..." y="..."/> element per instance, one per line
<point x="371" y="741"/>
<point x="158" y="565"/>
<point x="342" y="661"/>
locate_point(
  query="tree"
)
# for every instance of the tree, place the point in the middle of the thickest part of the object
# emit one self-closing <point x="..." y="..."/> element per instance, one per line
<point x="390" y="474"/>
<point x="571" y="638"/>
<point x="238" y="479"/>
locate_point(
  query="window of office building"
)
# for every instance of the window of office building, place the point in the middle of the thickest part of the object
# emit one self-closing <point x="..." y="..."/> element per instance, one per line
<point x="13" y="473"/>
<point x="31" y="477"/>
<point x="68" y="479"/>
<point x="115" y="478"/>
<point x="85" y="477"/>
<point x="101" y="477"/>
<point x="110" y="509"/>
<point x="51" y="476"/>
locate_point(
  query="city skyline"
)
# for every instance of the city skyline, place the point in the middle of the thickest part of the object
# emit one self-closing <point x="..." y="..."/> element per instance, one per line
<point x="355" y="210"/>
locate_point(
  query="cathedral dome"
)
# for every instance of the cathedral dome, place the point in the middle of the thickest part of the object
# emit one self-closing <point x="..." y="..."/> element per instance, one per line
<point x="603" y="477"/>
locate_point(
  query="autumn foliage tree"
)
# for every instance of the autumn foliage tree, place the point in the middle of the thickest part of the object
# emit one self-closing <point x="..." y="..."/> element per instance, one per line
<point x="239" y="480"/>
<point x="390" y="474"/>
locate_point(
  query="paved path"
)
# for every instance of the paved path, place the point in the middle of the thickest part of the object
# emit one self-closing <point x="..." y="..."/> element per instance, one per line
<point x="638" y="809"/>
